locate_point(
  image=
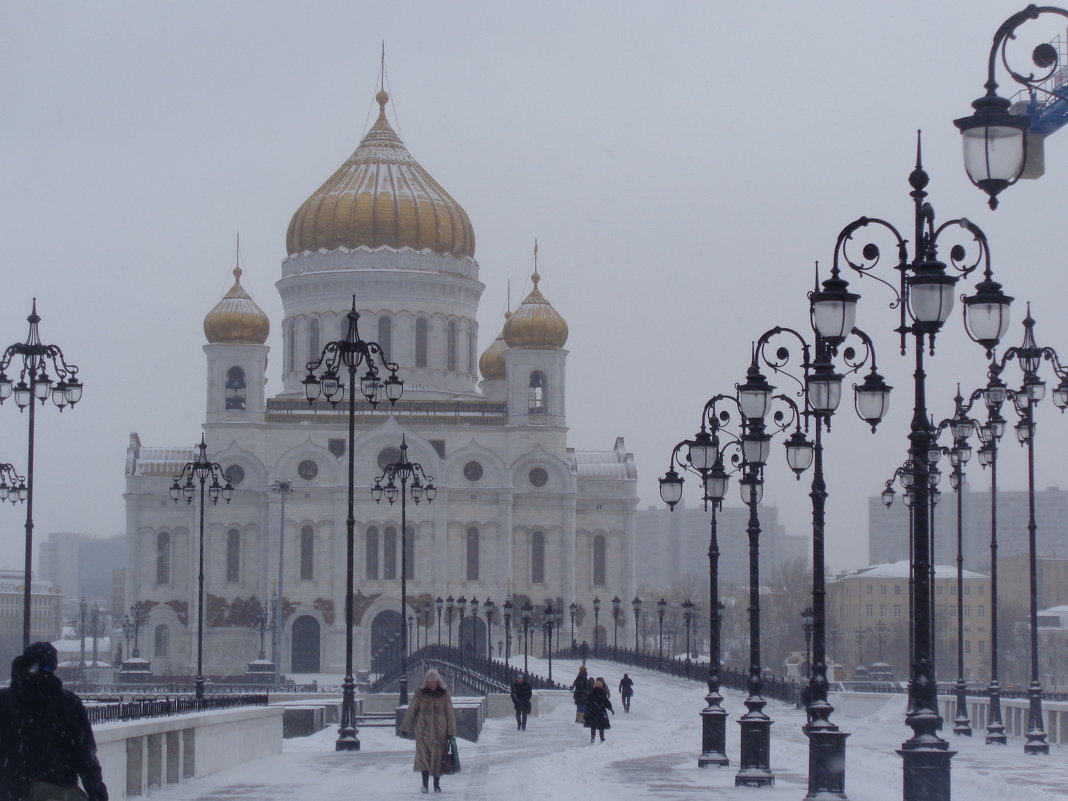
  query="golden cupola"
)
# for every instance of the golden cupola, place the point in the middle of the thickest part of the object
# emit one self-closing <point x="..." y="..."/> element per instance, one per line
<point x="381" y="197"/>
<point x="491" y="364"/>
<point x="236" y="319"/>
<point x="535" y="325"/>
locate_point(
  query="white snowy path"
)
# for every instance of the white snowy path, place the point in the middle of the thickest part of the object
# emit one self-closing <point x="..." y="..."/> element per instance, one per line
<point x="650" y="753"/>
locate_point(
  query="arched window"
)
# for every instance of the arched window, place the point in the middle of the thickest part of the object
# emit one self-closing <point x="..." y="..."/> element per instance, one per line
<point x="313" y="341"/>
<point x="162" y="641"/>
<point x="233" y="556"/>
<point x="371" y="553"/>
<point x="599" y="563"/>
<point x="385" y="336"/>
<point x="450" y="346"/>
<point x="537" y="558"/>
<point x="472" y="554"/>
<point x="422" y="335"/>
<point x="389" y="554"/>
<point x="307" y="553"/>
<point x="536" y="393"/>
<point x="235" y="389"/>
<point x="163" y="558"/>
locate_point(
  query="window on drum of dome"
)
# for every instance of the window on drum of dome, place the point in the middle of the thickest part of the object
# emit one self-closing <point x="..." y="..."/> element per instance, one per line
<point x="450" y="346"/>
<point x="599" y="562"/>
<point x="385" y="335"/>
<point x="313" y="341"/>
<point x="389" y="554"/>
<point x="422" y="336"/>
<point x="163" y="558"/>
<point x="472" y="554"/>
<point x="162" y="641"/>
<point x="235" y="389"/>
<point x="307" y="553"/>
<point x="233" y="556"/>
<point x="371" y="554"/>
<point x="537" y="558"/>
<point x="536" y="393"/>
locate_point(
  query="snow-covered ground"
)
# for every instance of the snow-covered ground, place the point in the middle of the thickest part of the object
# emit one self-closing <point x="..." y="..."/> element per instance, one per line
<point x="650" y="753"/>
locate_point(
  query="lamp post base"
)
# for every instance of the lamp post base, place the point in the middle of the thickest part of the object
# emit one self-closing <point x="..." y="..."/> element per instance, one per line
<point x="962" y="725"/>
<point x="826" y="762"/>
<point x="995" y="729"/>
<point x="404" y="690"/>
<point x="347" y="739"/>
<point x="926" y="771"/>
<point x="713" y="733"/>
<point x="199" y="685"/>
<point x="755" y="746"/>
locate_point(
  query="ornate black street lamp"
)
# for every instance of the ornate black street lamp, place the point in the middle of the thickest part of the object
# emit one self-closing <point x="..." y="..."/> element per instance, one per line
<point x="924" y="299"/>
<point x="414" y="482"/>
<point x="199" y="471"/>
<point x="262" y="621"/>
<point x="450" y="609"/>
<point x="636" y="605"/>
<point x="527" y="613"/>
<point x="461" y="607"/>
<point x="1001" y="147"/>
<point x="617" y="605"/>
<point x="133" y="622"/>
<point x="1030" y="356"/>
<point x="596" y="620"/>
<point x="548" y="622"/>
<point x="81" y="626"/>
<point x="12" y="486"/>
<point x="489" y="606"/>
<point x="327" y="378"/>
<point x="31" y="361"/>
<point x="438" y="603"/>
<point x="473" y="627"/>
<point x="661" y="607"/>
<point x="405" y="653"/>
<point x="558" y="620"/>
<point x="861" y="632"/>
<point x="807" y="616"/>
<point x="508" y="606"/>
<point x="427" y="619"/>
<point x="573" y="608"/>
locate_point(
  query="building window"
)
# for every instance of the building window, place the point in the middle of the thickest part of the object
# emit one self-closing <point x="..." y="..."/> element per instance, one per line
<point x="389" y="554"/>
<point x="233" y="556"/>
<point x="599" y="562"/>
<point x="869" y="610"/>
<point x="162" y="641"/>
<point x="882" y="589"/>
<point x="537" y="558"/>
<point x="307" y="553"/>
<point x="868" y="590"/>
<point x="421" y="337"/>
<point x="882" y="610"/>
<point x="982" y="610"/>
<point x="967" y="589"/>
<point x="163" y="558"/>
<point x="235" y="389"/>
<point x="980" y="590"/>
<point x="967" y="646"/>
<point x="897" y="589"/>
<point x="313" y="341"/>
<point x="536" y="393"/>
<point x="967" y="610"/>
<point x="897" y="610"/>
<point x="450" y="346"/>
<point x="538" y="477"/>
<point x="385" y="335"/>
<point x="938" y="589"/>
<point x="472" y="554"/>
<point x="371" y="554"/>
<point x="982" y="646"/>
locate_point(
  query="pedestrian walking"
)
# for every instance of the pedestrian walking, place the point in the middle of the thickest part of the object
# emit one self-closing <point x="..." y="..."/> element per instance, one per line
<point x="521" y="694"/>
<point x="430" y="717"/>
<point x="46" y="740"/>
<point x="598" y="706"/>
<point x="580" y="689"/>
<point x="626" y="691"/>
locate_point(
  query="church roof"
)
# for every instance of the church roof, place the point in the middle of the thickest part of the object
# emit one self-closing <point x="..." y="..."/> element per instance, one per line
<point x="535" y="324"/>
<point x="236" y="318"/>
<point x="381" y="197"/>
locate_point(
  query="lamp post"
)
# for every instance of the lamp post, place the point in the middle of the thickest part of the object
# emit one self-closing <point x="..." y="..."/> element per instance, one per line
<point x="438" y="603"/>
<point x="508" y="606"/>
<point x="489" y="606"/>
<point x="82" y="627"/>
<point x="687" y="617"/>
<point x="880" y="633"/>
<point x="281" y="488"/>
<point x="461" y="607"/>
<point x="427" y="619"/>
<point x="549" y="622"/>
<point x="596" y="620"/>
<point x="12" y="485"/>
<point x="924" y="299"/>
<point x="473" y="627"/>
<point x="96" y="623"/>
<point x="1030" y="356"/>
<point x="1001" y="147"/>
<point x="572" y="609"/>
<point x="661" y="607"/>
<point x="450" y="608"/>
<point x="860" y="632"/>
<point x="807" y="616"/>
<point x="192" y="473"/>
<point x="262" y="623"/>
<point x="327" y="378"/>
<point x="405" y="653"/>
<point x="414" y="482"/>
<point x="616" y="606"/>
<point x="132" y="624"/>
<point x="31" y="361"/>
<point x="636" y="605"/>
<point x="527" y="612"/>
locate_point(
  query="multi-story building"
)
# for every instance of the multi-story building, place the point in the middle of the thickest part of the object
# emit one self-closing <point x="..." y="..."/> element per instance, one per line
<point x="82" y="566"/>
<point x="518" y="511"/>
<point x="46" y="613"/>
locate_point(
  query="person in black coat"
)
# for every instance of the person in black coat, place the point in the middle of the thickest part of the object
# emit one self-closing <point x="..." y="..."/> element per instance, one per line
<point x="45" y="734"/>
<point x="626" y="691"/>
<point x="580" y="689"/>
<point x="521" y="695"/>
<point x="597" y="708"/>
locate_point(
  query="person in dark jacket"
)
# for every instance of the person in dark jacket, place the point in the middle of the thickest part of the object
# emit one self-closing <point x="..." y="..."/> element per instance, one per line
<point x="521" y="695"/>
<point x="45" y="734"/>
<point x="626" y="690"/>
<point x="597" y="708"/>
<point x="580" y="688"/>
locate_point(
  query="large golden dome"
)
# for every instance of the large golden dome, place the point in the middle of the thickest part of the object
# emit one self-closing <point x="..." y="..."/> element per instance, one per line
<point x="381" y="197"/>
<point x="236" y="319"/>
<point x="491" y="364"/>
<point x="535" y="324"/>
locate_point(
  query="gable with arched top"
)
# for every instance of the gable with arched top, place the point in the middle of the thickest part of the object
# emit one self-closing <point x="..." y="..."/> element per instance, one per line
<point x="253" y="473"/>
<point x="494" y="472"/>
<point x="370" y="445"/>
<point x="558" y="476"/>
<point x="329" y="470"/>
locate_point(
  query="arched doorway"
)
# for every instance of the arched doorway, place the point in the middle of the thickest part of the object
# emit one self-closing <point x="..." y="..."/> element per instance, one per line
<point x="305" y="657"/>
<point x="385" y="640"/>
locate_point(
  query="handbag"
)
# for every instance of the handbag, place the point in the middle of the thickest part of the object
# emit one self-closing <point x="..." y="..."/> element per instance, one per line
<point x="450" y="760"/>
<point x="44" y="791"/>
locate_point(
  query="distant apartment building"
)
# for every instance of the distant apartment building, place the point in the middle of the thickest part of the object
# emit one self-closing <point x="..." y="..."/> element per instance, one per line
<point x="82" y="566"/>
<point x="46" y="613"/>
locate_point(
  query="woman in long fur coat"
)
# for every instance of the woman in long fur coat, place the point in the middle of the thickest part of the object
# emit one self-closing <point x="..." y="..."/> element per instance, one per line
<point x="430" y="717"/>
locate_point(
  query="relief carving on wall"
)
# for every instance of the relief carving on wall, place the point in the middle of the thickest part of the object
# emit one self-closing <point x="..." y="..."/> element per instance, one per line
<point x="238" y="613"/>
<point x="181" y="611"/>
<point x="326" y="608"/>
<point x="360" y="604"/>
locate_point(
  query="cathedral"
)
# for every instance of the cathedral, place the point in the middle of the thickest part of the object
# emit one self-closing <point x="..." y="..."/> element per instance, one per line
<point x="518" y="513"/>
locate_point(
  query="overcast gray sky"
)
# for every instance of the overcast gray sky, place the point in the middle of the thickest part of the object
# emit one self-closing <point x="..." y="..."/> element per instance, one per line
<point x="681" y="164"/>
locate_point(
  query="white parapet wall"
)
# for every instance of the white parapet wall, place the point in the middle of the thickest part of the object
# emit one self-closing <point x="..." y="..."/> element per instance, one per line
<point x="143" y="754"/>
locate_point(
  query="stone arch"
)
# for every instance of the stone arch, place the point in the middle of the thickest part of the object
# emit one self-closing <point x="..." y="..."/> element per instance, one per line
<point x="306" y="645"/>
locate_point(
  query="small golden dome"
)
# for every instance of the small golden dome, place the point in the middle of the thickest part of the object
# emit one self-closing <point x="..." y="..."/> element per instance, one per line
<point x="236" y="319"/>
<point x="491" y="364"/>
<point x="381" y="197"/>
<point x="535" y="324"/>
